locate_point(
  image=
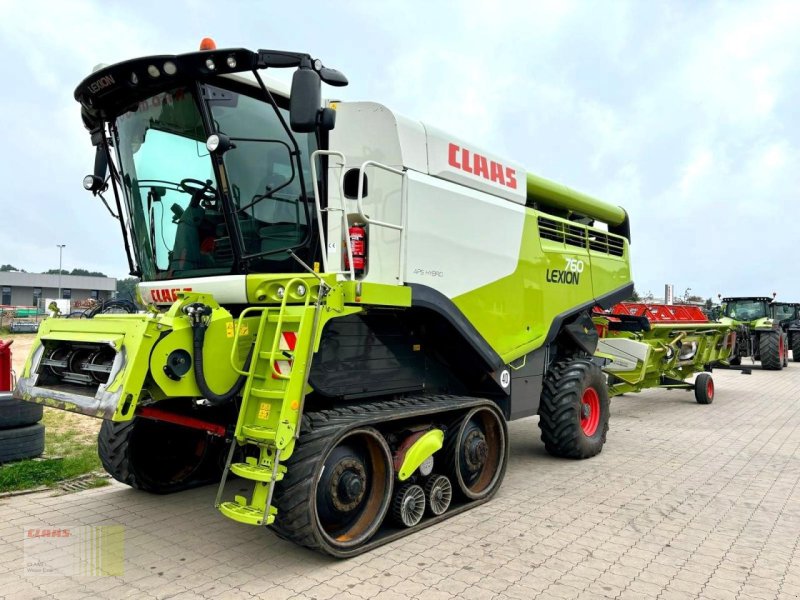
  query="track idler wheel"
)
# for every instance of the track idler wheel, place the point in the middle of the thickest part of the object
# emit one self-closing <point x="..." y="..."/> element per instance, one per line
<point x="439" y="493"/>
<point x="354" y="490"/>
<point x="409" y="505"/>
<point x="475" y="453"/>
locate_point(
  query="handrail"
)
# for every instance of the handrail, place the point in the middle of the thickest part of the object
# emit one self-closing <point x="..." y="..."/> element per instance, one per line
<point x="324" y="244"/>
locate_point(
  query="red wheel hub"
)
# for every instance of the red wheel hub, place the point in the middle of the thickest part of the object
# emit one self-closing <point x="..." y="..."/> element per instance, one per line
<point x="710" y="388"/>
<point x="590" y="411"/>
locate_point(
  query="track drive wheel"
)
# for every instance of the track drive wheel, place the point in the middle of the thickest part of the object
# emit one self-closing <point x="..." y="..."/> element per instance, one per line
<point x="771" y="349"/>
<point x="475" y="453"/>
<point x="354" y="490"/>
<point x="159" y="457"/>
<point x="574" y="409"/>
<point x="704" y="388"/>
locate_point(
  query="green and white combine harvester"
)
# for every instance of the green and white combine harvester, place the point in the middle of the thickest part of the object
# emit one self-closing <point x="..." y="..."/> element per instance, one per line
<point x="658" y="345"/>
<point x="346" y="306"/>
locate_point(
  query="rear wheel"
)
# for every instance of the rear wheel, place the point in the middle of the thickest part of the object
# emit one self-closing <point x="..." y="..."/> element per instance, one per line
<point x="771" y="348"/>
<point x="785" y="350"/>
<point x="796" y="347"/>
<point x="704" y="389"/>
<point x="574" y="409"/>
<point x="475" y="453"/>
<point x="159" y="457"/>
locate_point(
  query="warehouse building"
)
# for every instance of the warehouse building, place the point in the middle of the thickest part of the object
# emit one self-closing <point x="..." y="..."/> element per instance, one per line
<point x="31" y="289"/>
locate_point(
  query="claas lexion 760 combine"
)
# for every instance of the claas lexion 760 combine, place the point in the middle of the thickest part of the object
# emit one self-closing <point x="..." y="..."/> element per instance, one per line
<point x="346" y="306"/>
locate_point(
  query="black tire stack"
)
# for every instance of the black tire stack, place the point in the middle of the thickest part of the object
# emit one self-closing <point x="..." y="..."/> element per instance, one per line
<point x="21" y="434"/>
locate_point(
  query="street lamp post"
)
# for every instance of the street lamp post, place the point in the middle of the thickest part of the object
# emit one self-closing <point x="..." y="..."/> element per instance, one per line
<point x="60" y="250"/>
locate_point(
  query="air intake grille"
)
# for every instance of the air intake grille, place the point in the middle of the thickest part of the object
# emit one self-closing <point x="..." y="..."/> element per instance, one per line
<point x="578" y="236"/>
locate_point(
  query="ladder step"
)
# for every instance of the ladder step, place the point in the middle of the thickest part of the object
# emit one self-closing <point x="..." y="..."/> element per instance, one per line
<point x="279" y="355"/>
<point x="267" y="394"/>
<point x="256" y="472"/>
<point x="248" y="515"/>
<point x="258" y="433"/>
<point x="273" y="318"/>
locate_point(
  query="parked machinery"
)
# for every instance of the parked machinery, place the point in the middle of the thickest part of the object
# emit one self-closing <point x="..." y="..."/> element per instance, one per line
<point x="358" y="300"/>
<point x="758" y="335"/>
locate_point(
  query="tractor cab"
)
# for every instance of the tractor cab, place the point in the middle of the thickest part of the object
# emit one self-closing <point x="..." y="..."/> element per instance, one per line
<point x="209" y="167"/>
<point x="746" y="310"/>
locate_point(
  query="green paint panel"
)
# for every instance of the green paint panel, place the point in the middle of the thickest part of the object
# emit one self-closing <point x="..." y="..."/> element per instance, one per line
<point x="554" y="274"/>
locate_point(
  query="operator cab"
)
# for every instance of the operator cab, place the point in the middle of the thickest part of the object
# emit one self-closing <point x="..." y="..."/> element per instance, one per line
<point x="746" y="309"/>
<point x="209" y="177"/>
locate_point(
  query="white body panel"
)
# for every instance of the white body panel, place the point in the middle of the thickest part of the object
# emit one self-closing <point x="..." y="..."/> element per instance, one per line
<point x="226" y="289"/>
<point x="459" y="239"/>
<point x="456" y="196"/>
<point x="627" y="355"/>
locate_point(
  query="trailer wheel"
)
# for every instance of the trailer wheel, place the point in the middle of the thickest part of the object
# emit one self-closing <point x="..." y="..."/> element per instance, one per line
<point x="704" y="389"/>
<point x="574" y="409"/>
<point x="18" y="413"/>
<point x="796" y="347"/>
<point x="21" y="442"/>
<point x="159" y="457"/>
<point x="771" y="349"/>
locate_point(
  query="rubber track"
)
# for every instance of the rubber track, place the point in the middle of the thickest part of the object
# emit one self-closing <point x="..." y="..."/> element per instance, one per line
<point x="319" y="432"/>
<point x="559" y="418"/>
<point x="770" y="351"/>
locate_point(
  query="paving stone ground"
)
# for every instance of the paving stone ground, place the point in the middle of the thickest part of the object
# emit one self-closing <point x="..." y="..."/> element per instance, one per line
<point x="685" y="501"/>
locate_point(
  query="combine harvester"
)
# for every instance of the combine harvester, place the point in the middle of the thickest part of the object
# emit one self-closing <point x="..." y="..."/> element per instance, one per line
<point x="346" y="305"/>
<point x="660" y="345"/>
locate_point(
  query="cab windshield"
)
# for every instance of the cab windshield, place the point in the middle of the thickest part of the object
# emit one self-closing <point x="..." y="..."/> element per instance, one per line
<point x="181" y="221"/>
<point x="783" y="312"/>
<point x="746" y="310"/>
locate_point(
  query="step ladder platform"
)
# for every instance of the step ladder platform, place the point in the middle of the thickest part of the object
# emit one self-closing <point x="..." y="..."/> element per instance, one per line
<point x="248" y="515"/>
<point x="273" y="318"/>
<point x="256" y="472"/>
<point x="267" y="394"/>
<point x="258" y="433"/>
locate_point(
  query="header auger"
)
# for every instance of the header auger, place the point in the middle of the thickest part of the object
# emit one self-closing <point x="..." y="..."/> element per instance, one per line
<point x="346" y="306"/>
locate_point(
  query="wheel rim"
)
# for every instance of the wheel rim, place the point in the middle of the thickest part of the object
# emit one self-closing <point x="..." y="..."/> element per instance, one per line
<point x="439" y="493"/>
<point x="590" y="411"/>
<point x="354" y="488"/>
<point x="410" y="505"/>
<point x="480" y="455"/>
<point x="710" y="388"/>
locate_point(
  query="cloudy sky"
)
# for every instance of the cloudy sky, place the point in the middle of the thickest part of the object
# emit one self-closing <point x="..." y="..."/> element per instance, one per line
<point x="684" y="113"/>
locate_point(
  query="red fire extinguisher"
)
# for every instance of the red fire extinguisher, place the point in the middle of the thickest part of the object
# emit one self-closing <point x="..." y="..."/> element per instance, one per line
<point x="358" y="244"/>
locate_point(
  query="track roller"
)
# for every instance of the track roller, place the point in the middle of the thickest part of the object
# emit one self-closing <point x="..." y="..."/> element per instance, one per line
<point x="439" y="493"/>
<point x="408" y="505"/>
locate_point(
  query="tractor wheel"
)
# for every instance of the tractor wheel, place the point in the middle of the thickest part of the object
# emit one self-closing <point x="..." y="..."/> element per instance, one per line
<point x="785" y="350"/>
<point x="796" y="347"/>
<point x="704" y="389"/>
<point x="771" y="349"/>
<point x="574" y="409"/>
<point x="159" y="457"/>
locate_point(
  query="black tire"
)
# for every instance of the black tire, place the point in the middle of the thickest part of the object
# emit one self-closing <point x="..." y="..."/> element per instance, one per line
<point x="17" y="413"/>
<point x="21" y="442"/>
<point x="796" y="347"/>
<point x="771" y="349"/>
<point x="735" y="361"/>
<point x="567" y="431"/>
<point x="785" y="350"/>
<point x="159" y="457"/>
<point x="704" y="389"/>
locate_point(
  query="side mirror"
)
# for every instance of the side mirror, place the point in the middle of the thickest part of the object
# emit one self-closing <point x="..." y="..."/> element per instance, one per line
<point x="305" y="101"/>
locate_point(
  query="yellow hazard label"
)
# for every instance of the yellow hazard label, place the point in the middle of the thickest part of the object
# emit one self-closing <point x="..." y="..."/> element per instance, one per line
<point x="244" y="329"/>
<point x="263" y="410"/>
<point x="416" y="347"/>
<point x="316" y="267"/>
<point x="229" y="329"/>
<point x="334" y="105"/>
